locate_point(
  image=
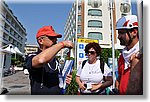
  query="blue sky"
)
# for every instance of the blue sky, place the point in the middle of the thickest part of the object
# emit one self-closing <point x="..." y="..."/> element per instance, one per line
<point x="34" y="15"/>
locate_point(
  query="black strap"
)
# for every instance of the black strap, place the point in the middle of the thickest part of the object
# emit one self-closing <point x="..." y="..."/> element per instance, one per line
<point x="83" y="63"/>
<point x="130" y="39"/>
<point x="102" y="65"/>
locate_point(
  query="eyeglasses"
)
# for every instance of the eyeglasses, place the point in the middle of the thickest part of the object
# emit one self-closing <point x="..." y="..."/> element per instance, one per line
<point x="122" y="32"/>
<point x="90" y="52"/>
<point x="51" y="38"/>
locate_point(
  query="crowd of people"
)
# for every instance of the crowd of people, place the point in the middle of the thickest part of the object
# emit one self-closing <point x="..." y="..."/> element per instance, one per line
<point x="93" y="75"/>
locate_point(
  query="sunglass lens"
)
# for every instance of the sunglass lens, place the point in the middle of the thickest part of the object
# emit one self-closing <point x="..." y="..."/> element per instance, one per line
<point x="51" y="38"/>
<point x="90" y="52"/>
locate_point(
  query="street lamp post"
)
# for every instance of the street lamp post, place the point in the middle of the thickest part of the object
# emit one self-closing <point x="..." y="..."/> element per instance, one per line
<point x="1" y="70"/>
<point x="76" y="32"/>
<point x="125" y="8"/>
<point x="111" y="6"/>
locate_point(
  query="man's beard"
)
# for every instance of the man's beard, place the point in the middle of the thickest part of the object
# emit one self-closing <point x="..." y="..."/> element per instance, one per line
<point x="122" y="42"/>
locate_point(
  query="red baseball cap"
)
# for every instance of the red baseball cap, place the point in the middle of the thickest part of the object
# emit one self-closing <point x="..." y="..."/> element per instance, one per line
<point x="47" y="31"/>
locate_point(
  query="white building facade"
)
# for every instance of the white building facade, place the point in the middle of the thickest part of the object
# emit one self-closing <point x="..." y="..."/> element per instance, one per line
<point x="91" y="19"/>
<point x="11" y="32"/>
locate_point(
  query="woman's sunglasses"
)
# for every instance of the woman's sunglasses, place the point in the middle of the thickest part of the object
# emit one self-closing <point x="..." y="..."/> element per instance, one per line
<point x="90" y="52"/>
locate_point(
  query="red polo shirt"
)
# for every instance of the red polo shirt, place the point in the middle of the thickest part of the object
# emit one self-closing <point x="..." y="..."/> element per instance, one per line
<point x="123" y="75"/>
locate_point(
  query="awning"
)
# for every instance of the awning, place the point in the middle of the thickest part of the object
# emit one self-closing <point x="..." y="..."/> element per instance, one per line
<point x="12" y="50"/>
<point x="18" y="51"/>
<point x="5" y="51"/>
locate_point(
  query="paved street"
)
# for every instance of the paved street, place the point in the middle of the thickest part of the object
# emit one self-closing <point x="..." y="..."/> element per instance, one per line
<point x="17" y="84"/>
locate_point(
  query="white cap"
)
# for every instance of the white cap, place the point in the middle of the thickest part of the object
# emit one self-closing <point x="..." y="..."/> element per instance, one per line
<point x="127" y="22"/>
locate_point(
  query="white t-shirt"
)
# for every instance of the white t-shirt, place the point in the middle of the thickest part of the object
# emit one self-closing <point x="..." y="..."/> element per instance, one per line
<point x="91" y="73"/>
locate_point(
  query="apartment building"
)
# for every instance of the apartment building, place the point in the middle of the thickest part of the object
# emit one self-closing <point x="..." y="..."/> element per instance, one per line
<point x="92" y="19"/>
<point x="31" y="48"/>
<point x="70" y="29"/>
<point x="12" y="33"/>
<point x="89" y="19"/>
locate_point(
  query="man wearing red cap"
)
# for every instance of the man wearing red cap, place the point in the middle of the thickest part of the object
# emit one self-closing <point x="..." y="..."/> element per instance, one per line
<point x="43" y="67"/>
<point x="127" y="27"/>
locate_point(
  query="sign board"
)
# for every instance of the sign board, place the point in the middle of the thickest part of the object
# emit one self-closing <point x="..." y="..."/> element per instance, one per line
<point x="82" y="42"/>
<point x="66" y="70"/>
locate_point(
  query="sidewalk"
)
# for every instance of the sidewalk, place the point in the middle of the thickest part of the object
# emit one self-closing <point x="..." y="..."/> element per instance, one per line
<point x="17" y="84"/>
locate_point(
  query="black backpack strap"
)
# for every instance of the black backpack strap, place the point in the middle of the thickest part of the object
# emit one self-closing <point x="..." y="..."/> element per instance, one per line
<point x="102" y="63"/>
<point x="83" y="63"/>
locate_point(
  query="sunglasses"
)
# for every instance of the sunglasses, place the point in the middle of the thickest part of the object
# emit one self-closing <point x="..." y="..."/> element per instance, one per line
<point x="90" y="52"/>
<point x="51" y="38"/>
<point x="122" y="32"/>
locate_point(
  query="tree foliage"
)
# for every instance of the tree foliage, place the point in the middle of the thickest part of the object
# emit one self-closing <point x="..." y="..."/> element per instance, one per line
<point x="72" y="89"/>
<point x="107" y="53"/>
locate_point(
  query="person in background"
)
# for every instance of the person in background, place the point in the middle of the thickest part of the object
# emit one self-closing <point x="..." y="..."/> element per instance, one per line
<point x="94" y="75"/>
<point x="43" y="66"/>
<point x="127" y="27"/>
<point x="13" y="71"/>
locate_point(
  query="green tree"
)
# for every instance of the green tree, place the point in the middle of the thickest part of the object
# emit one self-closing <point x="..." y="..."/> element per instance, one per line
<point x="107" y="53"/>
<point x="17" y="60"/>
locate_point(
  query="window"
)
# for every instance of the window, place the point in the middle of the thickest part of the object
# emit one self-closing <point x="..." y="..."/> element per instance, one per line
<point x="95" y="3"/>
<point x="95" y="23"/>
<point x="78" y="36"/>
<point x="95" y="12"/>
<point x="79" y="29"/>
<point x="79" y="9"/>
<point x="79" y="19"/>
<point x="95" y="35"/>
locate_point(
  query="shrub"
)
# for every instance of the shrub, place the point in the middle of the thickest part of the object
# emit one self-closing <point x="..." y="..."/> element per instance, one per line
<point x="72" y="89"/>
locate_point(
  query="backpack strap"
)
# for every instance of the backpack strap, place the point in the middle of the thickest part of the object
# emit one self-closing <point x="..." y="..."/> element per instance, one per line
<point x="102" y="65"/>
<point x="83" y="63"/>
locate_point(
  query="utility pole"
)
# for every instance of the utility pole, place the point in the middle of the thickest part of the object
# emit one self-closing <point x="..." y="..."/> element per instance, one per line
<point x="76" y="40"/>
<point x="111" y="6"/>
